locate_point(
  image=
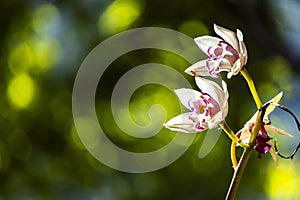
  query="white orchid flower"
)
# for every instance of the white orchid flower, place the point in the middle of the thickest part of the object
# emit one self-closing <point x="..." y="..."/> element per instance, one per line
<point x="226" y="54"/>
<point x="207" y="108"/>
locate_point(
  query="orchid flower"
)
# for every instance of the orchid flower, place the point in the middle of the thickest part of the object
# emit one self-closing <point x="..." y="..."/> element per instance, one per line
<point x="263" y="144"/>
<point x="207" y="108"/>
<point x="226" y="54"/>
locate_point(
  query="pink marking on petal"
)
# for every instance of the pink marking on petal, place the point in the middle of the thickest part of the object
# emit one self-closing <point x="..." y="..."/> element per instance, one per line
<point x="213" y="72"/>
<point x="229" y="53"/>
<point x="189" y="105"/>
<point x="205" y="109"/>
<point x="199" y="127"/>
<point x="213" y="106"/>
<point x="215" y="52"/>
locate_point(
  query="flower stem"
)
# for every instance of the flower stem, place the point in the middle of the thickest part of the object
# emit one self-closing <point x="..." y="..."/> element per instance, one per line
<point x="235" y="140"/>
<point x="239" y="170"/>
<point x="233" y="155"/>
<point x="252" y="88"/>
<point x="226" y="128"/>
<point x="240" y="166"/>
<point x="237" y="175"/>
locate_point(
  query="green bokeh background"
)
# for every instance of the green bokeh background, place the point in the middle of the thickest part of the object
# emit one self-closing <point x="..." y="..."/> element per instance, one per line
<point x="43" y="44"/>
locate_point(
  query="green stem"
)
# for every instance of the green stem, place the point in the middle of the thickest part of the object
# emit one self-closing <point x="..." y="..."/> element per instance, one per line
<point x="235" y="140"/>
<point x="229" y="132"/>
<point x="233" y="155"/>
<point x="239" y="170"/>
<point x="252" y="88"/>
<point x="237" y="175"/>
<point x="226" y="128"/>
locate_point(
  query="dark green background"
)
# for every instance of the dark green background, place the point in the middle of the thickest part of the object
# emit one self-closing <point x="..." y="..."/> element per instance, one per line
<point x="43" y="44"/>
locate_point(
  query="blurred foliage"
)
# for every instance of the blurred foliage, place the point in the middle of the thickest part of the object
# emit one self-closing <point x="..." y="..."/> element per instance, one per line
<point x="42" y="46"/>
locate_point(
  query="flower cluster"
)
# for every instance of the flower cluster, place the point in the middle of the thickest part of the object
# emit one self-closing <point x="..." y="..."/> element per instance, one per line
<point x="208" y="107"/>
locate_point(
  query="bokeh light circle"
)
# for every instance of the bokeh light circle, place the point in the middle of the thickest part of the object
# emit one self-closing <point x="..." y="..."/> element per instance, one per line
<point x="84" y="92"/>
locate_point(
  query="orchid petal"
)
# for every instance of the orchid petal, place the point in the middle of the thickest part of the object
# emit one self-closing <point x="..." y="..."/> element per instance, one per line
<point x="213" y="68"/>
<point x="224" y="107"/>
<point x="205" y="42"/>
<point x="211" y="88"/>
<point x="215" y="121"/>
<point x="271" y="107"/>
<point x="225" y="65"/>
<point x="223" y="98"/>
<point x="229" y="36"/>
<point x="182" y="123"/>
<point x="243" y="51"/>
<point x="199" y="69"/>
<point x="239" y="35"/>
<point x="237" y="67"/>
<point x="245" y="134"/>
<point x="186" y="96"/>
<point x="229" y="75"/>
<point x="273" y="154"/>
<point x="242" y="45"/>
<point x="277" y="130"/>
